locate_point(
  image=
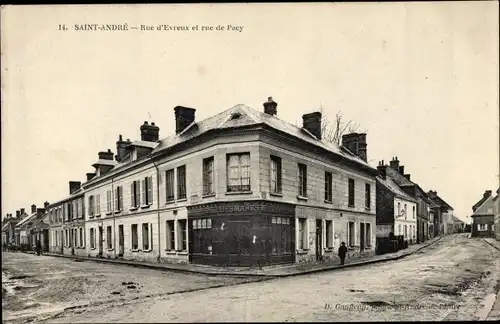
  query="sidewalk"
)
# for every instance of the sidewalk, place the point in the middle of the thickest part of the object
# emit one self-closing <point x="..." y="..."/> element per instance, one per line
<point x="494" y="314"/>
<point x="272" y="271"/>
<point x="494" y="243"/>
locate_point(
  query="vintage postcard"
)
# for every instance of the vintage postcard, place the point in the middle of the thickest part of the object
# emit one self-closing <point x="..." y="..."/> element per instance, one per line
<point x="270" y="162"/>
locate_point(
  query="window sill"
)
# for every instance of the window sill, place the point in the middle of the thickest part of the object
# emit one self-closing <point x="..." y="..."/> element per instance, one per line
<point x="228" y="193"/>
<point x="117" y="211"/>
<point x="208" y="195"/>
<point x="168" y="202"/>
<point x="171" y="252"/>
<point x="181" y="200"/>
<point x="133" y="208"/>
<point x="276" y="194"/>
<point x="328" y="249"/>
<point x="147" y="251"/>
<point x="98" y="215"/>
<point x="299" y="197"/>
<point x="328" y="201"/>
<point x="302" y="251"/>
<point x="91" y="216"/>
<point x="108" y="213"/>
<point x="350" y="206"/>
<point x="135" y="250"/>
<point x="367" y="208"/>
<point x="182" y="253"/>
<point x="110" y="249"/>
<point x="92" y="248"/>
<point x="145" y="206"/>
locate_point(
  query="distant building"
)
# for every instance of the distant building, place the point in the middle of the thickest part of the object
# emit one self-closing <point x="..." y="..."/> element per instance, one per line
<point x="443" y="214"/>
<point x="483" y="216"/>
<point x="396" y="210"/>
<point x="67" y="223"/>
<point x="8" y="233"/>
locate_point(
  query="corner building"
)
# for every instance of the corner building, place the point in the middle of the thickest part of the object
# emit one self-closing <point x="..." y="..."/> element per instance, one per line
<point x="240" y="188"/>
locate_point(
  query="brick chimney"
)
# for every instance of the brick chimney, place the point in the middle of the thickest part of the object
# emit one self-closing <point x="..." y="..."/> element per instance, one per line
<point x="90" y="176"/>
<point x="105" y="155"/>
<point x="381" y="168"/>
<point x="46" y="205"/>
<point x="184" y="116"/>
<point x="394" y="163"/>
<point x="356" y="143"/>
<point x="18" y="213"/>
<point x="270" y="107"/>
<point x="33" y="208"/>
<point x="407" y="176"/>
<point x="121" y="148"/>
<point x="74" y="186"/>
<point x="487" y="194"/>
<point x="150" y="133"/>
<point x="401" y="170"/>
<point x="312" y="123"/>
<point x="22" y="211"/>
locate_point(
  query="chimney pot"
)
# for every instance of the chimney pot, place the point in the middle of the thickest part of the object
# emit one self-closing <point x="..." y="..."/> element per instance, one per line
<point x="270" y="107"/>
<point x="74" y="186"/>
<point x="18" y="213"/>
<point x="90" y="176"/>
<point x="46" y="204"/>
<point x="152" y="124"/>
<point x="22" y="211"/>
<point x="407" y="176"/>
<point x="356" y="143"/>
<point x="33" y="208"/>
<point x="145" y="123"/>
<point x="402" y="170"/>
<point x="149" y="133"/>
<point x="120" y="138"/>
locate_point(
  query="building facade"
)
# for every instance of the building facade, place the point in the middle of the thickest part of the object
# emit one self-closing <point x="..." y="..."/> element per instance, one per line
<point x="443" y="214"/>
<point x="483" y="216"/>
<point x="8" y="233"/>
<point x="396" y="210"/>
<point x="239" y="188"/>
<point x="67" y="223"/>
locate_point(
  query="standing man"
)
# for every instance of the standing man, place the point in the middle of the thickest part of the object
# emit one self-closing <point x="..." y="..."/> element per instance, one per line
<point x="38" y="247"/>
<point x="342" y="252"/>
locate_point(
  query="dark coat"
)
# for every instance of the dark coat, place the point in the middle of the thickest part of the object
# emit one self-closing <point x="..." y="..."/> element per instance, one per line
<point x="342" y="251"/>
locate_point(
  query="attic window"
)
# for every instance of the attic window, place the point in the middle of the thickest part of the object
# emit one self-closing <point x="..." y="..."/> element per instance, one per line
<point x="235" y="115"/>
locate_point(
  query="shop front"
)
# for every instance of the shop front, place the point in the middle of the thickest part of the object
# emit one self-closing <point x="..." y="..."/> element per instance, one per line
<point x="244" y="233"/>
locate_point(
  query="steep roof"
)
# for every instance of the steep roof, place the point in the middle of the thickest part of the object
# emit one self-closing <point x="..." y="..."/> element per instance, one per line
<point x="390" y="184"/>
<point x="438" y="201"/>
<point x="486" y="208"/>
<point x="26" y="220"/>
<point x="77" y="193"/>
<point x="237" y="117"/>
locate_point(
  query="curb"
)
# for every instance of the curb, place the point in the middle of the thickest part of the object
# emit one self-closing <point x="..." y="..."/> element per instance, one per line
<point x="355" y="264"/>
<point x="243" y="274"/>
<point x="493" y="246"/>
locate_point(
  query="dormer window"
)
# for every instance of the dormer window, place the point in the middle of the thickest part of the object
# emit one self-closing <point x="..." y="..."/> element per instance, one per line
<point x="235" y="115"/>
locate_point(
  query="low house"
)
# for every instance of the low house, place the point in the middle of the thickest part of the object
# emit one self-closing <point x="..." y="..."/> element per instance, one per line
<point x="20" y="216"/>
<point x="26" y="238"/>
<point x="8" y="234"/>
<point x="458" y="225"/>
<point x="40" y="229"/>
<point x="483" y="216"/>
<point x="443" y="214"/>
<point x="396" y="210"/>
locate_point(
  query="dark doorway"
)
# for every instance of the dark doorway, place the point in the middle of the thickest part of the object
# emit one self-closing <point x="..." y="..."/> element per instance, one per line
<point x="45" y="241"/>
<point x="319" y="239"/>
<point x="100" y="241"/>
<point x="121" y="241"/>
<point x="362" y="237"/>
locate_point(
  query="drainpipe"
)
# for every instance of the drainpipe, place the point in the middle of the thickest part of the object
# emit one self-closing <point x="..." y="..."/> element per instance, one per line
<point x="158" y="205"/>
<point x="113" y="213"/>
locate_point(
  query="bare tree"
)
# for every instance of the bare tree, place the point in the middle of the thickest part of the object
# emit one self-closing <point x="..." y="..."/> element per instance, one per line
<point x="332" y="130"/>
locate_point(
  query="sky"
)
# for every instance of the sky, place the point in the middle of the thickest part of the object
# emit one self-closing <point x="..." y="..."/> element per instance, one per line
<point x="421" y="78"/>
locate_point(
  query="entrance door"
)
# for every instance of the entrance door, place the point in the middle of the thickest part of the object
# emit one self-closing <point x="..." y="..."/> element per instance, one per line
<point x="72" y="241"/>
<point x="319" y="239"/>
<point x="361" y="236"/>
<point x="121" y="241"/>
<point x="100" y="240"/>
<point x="45" y="244"/>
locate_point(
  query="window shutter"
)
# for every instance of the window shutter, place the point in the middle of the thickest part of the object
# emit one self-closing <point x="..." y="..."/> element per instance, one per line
<point x="150" y="190"/>
<point x="132" y="195"/>
<point x="117" y="193"/>
<point x="143" y="191"/>
<point x="150" y="236"/>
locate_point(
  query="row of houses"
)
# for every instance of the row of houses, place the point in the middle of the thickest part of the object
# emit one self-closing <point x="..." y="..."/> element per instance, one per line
<point x="486" y="216"/>
<point x="239" y="188"/>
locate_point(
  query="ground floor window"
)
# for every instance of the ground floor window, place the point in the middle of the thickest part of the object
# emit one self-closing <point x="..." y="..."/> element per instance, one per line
<point x="182" y="234"/>
<point x="92" y="238"/>
<point x="135" y="238"/>
<point x="202" y="235"/>
<point x="146" y="237"/>
<point x="75" y="237"/>
<point x="280" y="235"/>
<point x="368" y="237"/>
<point x="482" y="227"/>
<point x="109" y="237"/>
<point x="329" y="233"/>
<point x="81" y="237"/>
<point x="170" y="235"/>
<point x="302" y="233"/>
<point x="350" y="234"/>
